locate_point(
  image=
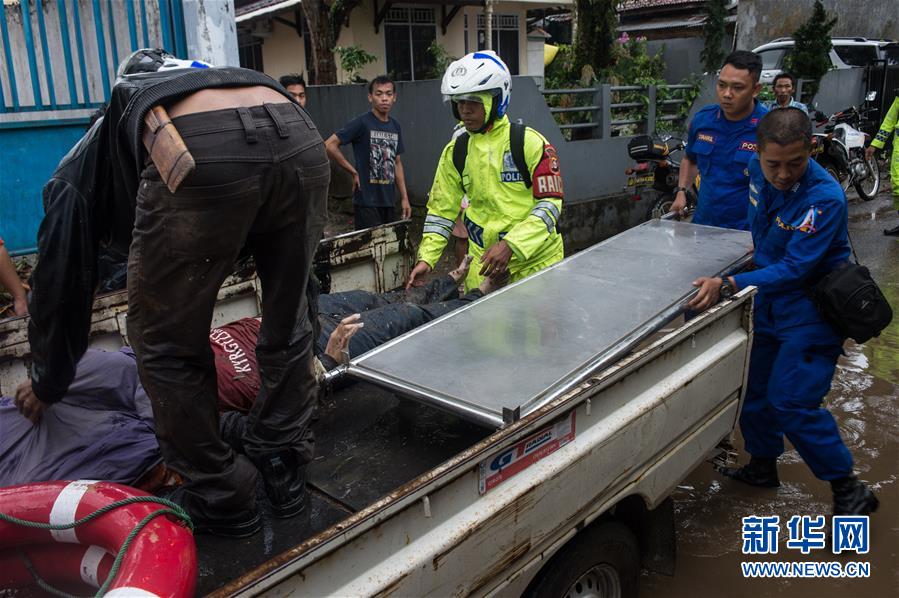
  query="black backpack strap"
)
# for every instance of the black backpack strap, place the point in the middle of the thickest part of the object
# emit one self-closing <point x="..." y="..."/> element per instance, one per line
<point x="460" y="152"/>
<point x="516" y="145"/>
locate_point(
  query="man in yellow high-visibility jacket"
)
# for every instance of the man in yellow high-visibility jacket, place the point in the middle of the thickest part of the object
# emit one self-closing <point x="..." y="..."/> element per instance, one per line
<point x="513" y="216"/>
<point x="886" y="128"/>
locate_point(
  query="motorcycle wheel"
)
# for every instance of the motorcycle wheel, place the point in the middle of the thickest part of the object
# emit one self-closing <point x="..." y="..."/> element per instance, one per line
<point x="663" y="205"/>
<point x="869" y="186"/>
<point x="833" y="171"/>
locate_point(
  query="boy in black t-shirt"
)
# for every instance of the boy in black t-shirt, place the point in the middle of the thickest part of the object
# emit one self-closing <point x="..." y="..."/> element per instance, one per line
<point x="377" y="144"/>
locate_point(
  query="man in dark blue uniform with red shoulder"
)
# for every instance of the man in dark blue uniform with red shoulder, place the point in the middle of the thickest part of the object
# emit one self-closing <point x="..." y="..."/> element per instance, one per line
<point x="720" y="144"/>
<point x="798" y="219"/>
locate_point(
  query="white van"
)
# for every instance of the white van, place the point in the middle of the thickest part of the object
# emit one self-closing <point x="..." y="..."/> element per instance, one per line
<point x="847" y="52"/>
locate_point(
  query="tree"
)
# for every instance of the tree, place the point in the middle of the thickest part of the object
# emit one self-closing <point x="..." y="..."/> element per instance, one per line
<point x="596" y="32"/>
<point x="810" y="58"/>
<point x="713" y="34"/>
<point x="325" y="19"/>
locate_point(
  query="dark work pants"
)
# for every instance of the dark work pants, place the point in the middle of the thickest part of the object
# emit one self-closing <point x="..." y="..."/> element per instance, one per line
<point x="261" y="180"/>
<point x="388" y="315"/>
<point x="790" y="371"/>
<point x="366" y="217"/>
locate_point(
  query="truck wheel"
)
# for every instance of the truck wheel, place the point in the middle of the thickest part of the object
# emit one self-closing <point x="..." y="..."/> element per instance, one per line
<point x="602" y="561"/>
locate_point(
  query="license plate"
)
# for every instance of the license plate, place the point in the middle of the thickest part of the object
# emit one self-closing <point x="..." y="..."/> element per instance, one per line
<point x="640" y="181"/>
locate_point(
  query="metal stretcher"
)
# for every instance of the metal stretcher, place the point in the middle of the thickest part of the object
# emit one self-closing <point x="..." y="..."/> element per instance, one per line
<point x="516" y="350"/>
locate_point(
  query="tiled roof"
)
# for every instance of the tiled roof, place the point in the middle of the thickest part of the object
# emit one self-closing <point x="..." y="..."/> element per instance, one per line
<point x="626" y="5"/>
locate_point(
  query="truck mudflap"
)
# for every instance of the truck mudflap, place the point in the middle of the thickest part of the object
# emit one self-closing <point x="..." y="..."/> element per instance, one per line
<point x="640" y="426"/>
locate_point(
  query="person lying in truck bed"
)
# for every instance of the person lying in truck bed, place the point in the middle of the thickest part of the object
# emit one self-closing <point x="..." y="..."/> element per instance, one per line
<point x="103" y="428"/>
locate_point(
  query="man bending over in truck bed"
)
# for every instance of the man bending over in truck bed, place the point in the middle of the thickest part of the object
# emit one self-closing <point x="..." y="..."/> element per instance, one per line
<point x="103" y="427"/>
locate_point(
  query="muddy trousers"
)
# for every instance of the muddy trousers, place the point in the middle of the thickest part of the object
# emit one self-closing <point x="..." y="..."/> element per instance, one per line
<point x="789" y="375"/>
<point x="261" y="180"/>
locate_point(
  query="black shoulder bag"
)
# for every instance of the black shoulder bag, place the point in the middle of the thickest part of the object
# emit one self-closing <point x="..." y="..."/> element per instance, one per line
<point x="851" y="302"/>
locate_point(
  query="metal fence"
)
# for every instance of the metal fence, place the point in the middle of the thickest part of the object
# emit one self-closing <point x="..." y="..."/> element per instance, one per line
<point x="57" y="64"/>
<point x="616" y="110"/>
<point x="62" y="54"/>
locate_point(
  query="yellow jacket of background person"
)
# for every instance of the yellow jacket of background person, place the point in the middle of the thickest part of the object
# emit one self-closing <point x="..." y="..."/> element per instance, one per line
<point x="500" y="206"/>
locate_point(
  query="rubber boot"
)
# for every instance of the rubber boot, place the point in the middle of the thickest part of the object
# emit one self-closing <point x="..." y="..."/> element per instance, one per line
<point x="285" y="482"/>
<point x="852" y="497"/>
<point x="759" y="472"/>
<point x="229" y="524"/>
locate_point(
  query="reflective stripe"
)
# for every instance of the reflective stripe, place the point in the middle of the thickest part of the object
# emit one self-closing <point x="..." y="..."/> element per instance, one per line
<point x="546" y="218"/>
<point x="439" y="221"/>
<point x="90" y="563"/>
<point x="549" y="206"/>
<point x="475" y="231"/>
<point x="64" y="507"/>
<point x="431" y="228"/>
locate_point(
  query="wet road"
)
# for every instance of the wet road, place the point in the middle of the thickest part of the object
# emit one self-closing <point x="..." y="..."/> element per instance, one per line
<point x="864" y="399"/>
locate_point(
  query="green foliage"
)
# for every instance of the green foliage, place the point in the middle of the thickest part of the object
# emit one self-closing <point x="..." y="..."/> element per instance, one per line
<point x="766" y="95"/>
<point x="597" y="21"/>
<point x="632" y="64"/>
<point x="810" y="58"/>
<point x="352" y="60"/>
<point x="442" y="60"/>
<point x="713" y="34"/>
<point x="560" y="73"/>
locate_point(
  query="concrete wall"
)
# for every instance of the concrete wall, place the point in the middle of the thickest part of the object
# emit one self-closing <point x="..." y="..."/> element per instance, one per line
<point x="590" y="168"/>
<point x="211" y="31"/>
<point x="760" y="21"/>
<point x="682" y="55"/>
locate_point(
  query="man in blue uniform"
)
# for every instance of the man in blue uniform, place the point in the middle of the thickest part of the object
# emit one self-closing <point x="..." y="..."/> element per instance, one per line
<point x="798" y="220"/>
<point x="720" y="143"/>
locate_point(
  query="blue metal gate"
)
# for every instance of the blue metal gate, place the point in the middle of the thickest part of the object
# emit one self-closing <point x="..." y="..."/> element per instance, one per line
<point x="58" y="65"/>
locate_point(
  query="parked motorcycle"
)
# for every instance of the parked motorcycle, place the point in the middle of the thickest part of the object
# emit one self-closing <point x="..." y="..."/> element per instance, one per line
<point x="840" y="149"/>
<point x="658" y="168"/>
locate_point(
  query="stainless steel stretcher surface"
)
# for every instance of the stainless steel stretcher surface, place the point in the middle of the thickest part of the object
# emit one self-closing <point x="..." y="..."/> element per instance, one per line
<point x="506" y="355"/>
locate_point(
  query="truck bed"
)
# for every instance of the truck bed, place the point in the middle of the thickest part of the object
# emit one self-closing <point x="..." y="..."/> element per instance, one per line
<point x="368" y="443"/>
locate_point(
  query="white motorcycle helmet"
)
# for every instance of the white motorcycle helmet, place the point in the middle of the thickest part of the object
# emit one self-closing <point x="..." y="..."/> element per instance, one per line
<point x="478" y="71"/>
<point x="153" y="60"/>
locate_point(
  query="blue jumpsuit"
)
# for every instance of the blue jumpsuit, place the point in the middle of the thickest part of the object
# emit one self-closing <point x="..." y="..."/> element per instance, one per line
<point x="799" y="235"/>
<point x="722" y="149"/>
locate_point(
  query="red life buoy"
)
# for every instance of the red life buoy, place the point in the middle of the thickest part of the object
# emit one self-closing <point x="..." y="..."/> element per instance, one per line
<point x="161" y="560"/>
<point x="57" y="564"/>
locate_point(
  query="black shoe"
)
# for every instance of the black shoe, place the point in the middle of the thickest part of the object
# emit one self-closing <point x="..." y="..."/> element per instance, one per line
<point x="229" y="524"/>
<point x="759" y="472"/>
<point x="892" y="232"/>
<point x="852" y="497"/>
<point x="285" y="482"/>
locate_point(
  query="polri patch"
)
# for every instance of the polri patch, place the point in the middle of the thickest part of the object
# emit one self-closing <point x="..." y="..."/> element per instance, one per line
<point x="510" y="173"/>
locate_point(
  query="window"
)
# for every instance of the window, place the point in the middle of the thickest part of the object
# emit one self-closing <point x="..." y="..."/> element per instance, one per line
<point x="249" y="51"/>
<point x="771" y="59"/>
<point x="408" y="33"/>
<point x="856" y="55"/>
<point x="505" y="38"/>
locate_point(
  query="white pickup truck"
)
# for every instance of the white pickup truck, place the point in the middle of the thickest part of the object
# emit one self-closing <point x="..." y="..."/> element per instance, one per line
<point x="431" y="492"/>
